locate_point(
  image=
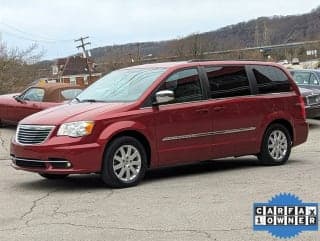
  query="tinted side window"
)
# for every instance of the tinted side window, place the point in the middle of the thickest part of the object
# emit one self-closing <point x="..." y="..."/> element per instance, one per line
<point x="228" y="81"/>
<point x="185" y="84"/>
<point x="271" y="79"/>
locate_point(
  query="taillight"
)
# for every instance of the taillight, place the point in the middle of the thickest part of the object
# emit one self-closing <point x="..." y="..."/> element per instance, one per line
<point x="303" y="107"/>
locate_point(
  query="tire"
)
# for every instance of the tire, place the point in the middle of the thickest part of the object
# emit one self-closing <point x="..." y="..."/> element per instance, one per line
<point x="125" y="162"/>
<point x="53" y="176"/>
<point x="276" y="145"/>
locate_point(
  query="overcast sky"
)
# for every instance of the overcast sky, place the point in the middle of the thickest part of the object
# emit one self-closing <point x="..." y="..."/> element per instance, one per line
<point x="55" y="24"/>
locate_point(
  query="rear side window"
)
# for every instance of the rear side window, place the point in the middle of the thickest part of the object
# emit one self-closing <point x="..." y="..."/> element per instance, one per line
<point x="271" y="79"/>
<point x="228" y="81"/>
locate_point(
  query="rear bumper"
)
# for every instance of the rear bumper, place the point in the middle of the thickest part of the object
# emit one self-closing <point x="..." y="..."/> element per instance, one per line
<point x="313" y="111"/>
<point x="301" y="131"/>
<point x="57" y="159"/>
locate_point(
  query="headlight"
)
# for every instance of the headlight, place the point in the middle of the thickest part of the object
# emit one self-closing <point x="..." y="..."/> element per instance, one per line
<point x="76" y="129"/>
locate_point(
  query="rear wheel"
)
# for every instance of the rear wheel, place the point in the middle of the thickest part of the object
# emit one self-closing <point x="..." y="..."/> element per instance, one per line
<point x="125" y="162"/>
<point x="276" y="145"/>
<point x="53" y="176"/>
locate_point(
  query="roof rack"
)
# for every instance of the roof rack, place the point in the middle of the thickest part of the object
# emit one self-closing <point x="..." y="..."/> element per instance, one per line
<point x="205" y="60"/>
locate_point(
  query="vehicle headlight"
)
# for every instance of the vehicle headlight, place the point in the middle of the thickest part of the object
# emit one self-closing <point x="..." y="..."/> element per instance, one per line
<point x="76" y="129"/>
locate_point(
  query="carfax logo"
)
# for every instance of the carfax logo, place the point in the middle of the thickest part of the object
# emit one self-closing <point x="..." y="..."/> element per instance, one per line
<point x="285" y="216"/>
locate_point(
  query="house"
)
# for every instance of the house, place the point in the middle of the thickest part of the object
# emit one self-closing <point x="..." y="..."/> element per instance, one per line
<point x="75" y="70"/>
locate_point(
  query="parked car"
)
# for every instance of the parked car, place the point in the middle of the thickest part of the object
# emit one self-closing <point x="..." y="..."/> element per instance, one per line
<point x="283" y="62"/>
<point x="312" y="102"/>
<point x="295" y="61"/>
<point x="15" y="107"/>
<point x="165" y="114"/>
<point x="307" y="78"/>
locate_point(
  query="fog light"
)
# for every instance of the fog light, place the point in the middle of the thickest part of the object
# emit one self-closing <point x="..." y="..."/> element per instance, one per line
<point x="59" y="163"/>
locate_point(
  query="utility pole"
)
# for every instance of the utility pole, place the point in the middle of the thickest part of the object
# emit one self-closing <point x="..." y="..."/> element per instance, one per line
<point x="83" y="45"/>
<point x="85" y="54"/>
<point x="139" y="52"/>
<point x="266" y="36"/>
<point x="256" y="35"/>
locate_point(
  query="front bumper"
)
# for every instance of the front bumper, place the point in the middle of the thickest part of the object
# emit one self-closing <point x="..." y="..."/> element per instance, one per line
<point x="313" y="111"/>
<point x="71" y="157"/>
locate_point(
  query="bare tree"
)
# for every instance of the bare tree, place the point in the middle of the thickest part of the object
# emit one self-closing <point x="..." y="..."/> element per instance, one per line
<point x="17" y="68"/>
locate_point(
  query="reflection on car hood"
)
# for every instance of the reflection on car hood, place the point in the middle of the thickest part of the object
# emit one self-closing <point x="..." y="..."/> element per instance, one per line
<point x="74" y="112"/>
<point x="307" y="92"/>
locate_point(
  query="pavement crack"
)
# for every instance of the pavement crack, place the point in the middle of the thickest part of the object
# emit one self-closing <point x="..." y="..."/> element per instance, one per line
<point x="34" y="205"/>
<point x="196" y="231"/>
<point x="206" y="233"/>
<point x="57" y="211"/>
<point x="3" y="143"/>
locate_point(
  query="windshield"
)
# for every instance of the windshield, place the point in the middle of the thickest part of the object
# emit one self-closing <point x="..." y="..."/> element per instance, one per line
<point x="301" y="77"/>
<point x="123" y="85"/>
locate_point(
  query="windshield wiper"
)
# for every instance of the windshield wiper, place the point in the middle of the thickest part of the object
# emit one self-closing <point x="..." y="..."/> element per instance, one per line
<point x="88" y="100"/>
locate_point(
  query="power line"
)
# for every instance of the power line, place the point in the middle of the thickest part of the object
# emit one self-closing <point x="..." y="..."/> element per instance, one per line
<point x="25" y="38"/>
<point x="21" y="34"/>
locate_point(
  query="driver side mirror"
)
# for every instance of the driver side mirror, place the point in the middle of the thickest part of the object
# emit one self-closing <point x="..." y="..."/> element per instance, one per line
<point x="18" y="99"/>
<point x="163" y="96"/>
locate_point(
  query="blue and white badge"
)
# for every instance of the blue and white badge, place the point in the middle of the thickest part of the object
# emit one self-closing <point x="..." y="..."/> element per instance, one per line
<point x="285" y="216"/>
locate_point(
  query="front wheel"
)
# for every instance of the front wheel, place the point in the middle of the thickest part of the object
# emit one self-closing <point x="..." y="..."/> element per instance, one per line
<point x="276" y="145"/>
<point x="125" y="162"/>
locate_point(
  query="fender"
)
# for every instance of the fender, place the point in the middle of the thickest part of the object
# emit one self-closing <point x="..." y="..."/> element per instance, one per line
<point x="121" y="126"/>
<point x="267" y="120"/>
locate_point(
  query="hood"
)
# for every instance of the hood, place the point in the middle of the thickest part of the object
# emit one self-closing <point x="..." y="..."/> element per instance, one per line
<point x="307" y="92"/>
<point x="75" y="112"/>
<point x="8" y="96"/>
<point x="8" y="99"/>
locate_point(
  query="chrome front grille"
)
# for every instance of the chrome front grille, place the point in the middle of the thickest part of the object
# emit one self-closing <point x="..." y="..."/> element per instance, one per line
<point x="313" y="99"/>
<point x="32" y="134"/>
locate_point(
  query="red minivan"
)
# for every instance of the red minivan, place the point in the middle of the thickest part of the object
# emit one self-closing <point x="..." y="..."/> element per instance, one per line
<point x="165" y="114"/>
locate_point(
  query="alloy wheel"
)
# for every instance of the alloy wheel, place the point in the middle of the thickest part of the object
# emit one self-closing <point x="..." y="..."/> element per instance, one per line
<point x="277" y="145"/>
<point x="127" y="163"/>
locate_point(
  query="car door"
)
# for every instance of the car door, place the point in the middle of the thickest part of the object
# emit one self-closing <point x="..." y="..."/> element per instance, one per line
<point x="183" y="127"/>
<point x="30" y="103"/>
<point x="233" y="117"/>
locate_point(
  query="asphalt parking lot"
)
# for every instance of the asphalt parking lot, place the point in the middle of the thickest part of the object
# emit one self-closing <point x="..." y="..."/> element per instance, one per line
<point x="208" y="201"/>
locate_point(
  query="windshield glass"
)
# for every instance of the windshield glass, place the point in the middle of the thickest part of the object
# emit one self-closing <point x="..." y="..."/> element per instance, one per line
<point x="123" y="85"/>
<point x="301" y="77"/>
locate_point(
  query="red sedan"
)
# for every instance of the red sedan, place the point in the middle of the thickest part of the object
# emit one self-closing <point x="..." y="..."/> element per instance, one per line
<point x="15" y="107"/>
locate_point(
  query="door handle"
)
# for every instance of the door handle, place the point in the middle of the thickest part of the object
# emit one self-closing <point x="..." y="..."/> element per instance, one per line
<point x="202" y="111"/>
<point x="219" y="108"/>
